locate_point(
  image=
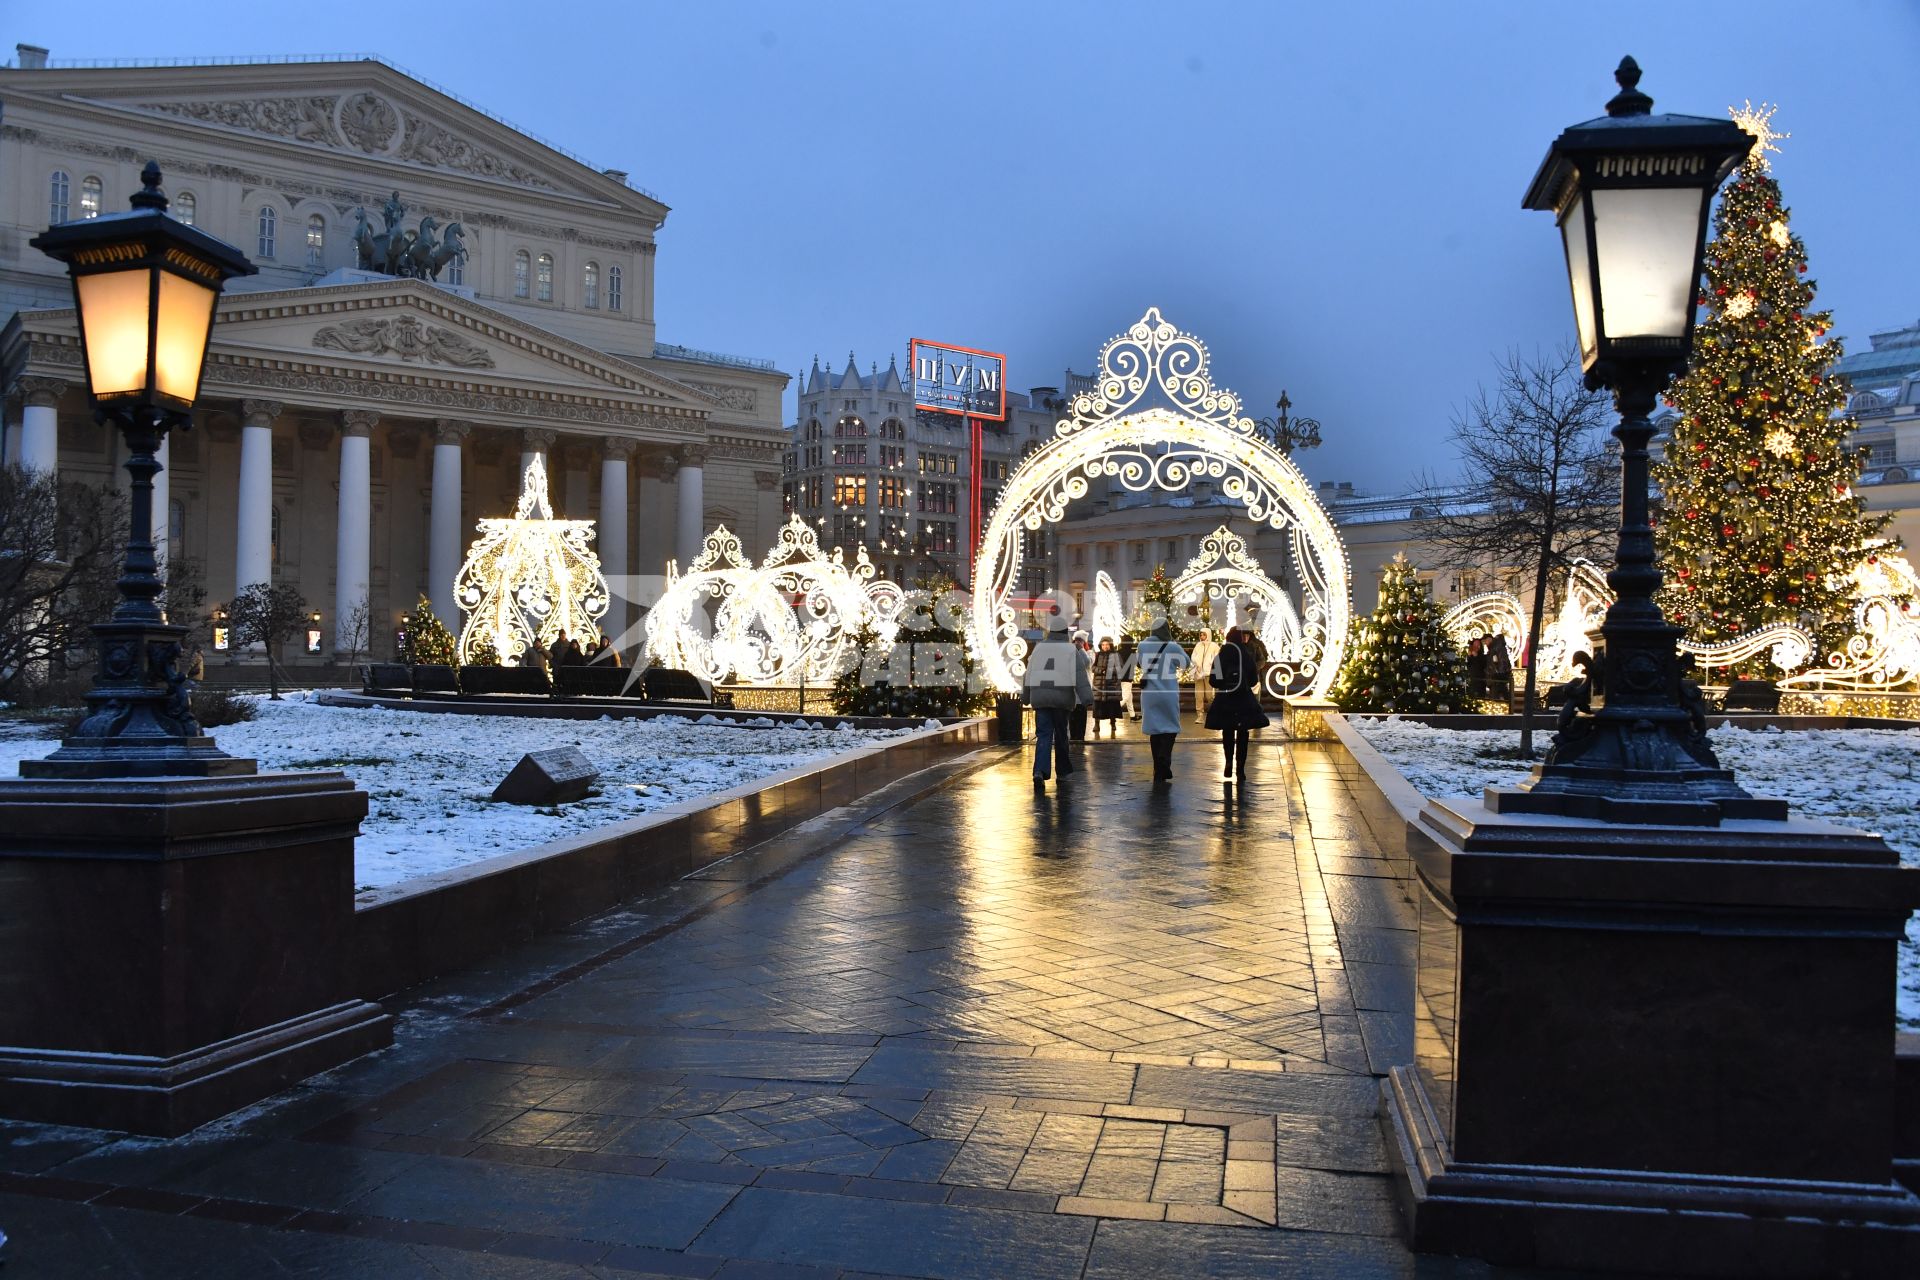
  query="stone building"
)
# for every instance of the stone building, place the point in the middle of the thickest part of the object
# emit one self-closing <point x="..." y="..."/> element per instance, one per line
<point x="354" y="423"/>
<point x="866" y="469"/>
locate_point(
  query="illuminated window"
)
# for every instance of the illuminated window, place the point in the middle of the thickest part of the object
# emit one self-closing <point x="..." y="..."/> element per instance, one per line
<point x="316" y="240"/>
<point x="850" y="491"/>
<point x="57" y="188"/>
<point x="543" y="279"/>
<point x="850" y="454"/>
<point x="590" y="285"/>
<point x="90" y="192"/>
<point x="522" y="265"/>
<point x="269" y="224"/>
<point x="184" y="207"/>
<point x="614" y="278"/>
<point x="891" y="491"/>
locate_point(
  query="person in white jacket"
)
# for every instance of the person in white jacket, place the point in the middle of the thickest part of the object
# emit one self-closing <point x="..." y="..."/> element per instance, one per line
<point x="1205" y="650"/>
<point x="1159" y="662"/>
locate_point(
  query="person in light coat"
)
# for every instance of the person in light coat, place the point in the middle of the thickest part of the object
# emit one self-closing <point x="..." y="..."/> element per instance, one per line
<point x="1159" y="662"/>
<point x="1205" y="650"/>
<point x="1056" y="681"/>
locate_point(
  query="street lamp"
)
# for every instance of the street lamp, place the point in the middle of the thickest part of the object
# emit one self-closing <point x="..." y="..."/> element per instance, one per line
<point x="1632" y="191"/>
<point x="1289" y="434"/>
<point x="145" y="286"/>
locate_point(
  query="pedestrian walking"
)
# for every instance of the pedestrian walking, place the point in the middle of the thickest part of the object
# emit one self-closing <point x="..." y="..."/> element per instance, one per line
<point x="1477" y="666"/>
<point x="1236" y="706"/>
<point x="1077" y="718"/>
<point x="1159" y="662"/>
<point x="1127" y="647"/>
<point x="1109" y="677"/>
<point x="1205" y="650"/>
<point x="1056" y="680"/>
<point x="1499" y="668"/>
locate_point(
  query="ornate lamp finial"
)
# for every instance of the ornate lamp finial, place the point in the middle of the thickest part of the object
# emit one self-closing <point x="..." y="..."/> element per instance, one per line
<point x="150" y="196"/>
<point x="1629" y="101"/>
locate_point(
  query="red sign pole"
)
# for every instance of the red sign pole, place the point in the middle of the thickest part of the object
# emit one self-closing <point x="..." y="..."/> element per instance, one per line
<point x="973" y="499"/>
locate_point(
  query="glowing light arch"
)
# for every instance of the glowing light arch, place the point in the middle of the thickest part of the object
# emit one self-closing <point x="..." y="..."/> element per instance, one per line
<point x="1111" y="431"/>
<point x="1225" y="570"/>
<point x="529" y="578"/>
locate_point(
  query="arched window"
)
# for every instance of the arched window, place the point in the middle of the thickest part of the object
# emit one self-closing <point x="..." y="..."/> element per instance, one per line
<point x="543" y="279"/>
<point x="57" y="188"/>
<point x="521" y="266"/>
<point x="590" y="285"/>
<point x="316" y="240"/>
<point x="613" y="288"/>
<point x="90" y="193"/>
<point x="457" y="271"/>
<point x="269" y="223"/>
<point x="184" y="207"/>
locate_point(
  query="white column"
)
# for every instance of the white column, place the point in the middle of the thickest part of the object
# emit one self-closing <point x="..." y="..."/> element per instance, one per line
<point x="536" y="442"/>
<point x="162" y="493"/>
<point x="767" y="511"/>
<point x="443" y="541"/>
<point x="611" y="539"/>
<point x="692" y="523"/>
<point x="253" y="533"/>
<point x="40" y="424"/>
<point x="353" y="561"/>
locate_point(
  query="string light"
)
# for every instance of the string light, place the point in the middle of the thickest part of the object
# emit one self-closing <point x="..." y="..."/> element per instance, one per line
<point x="529" y="579"/>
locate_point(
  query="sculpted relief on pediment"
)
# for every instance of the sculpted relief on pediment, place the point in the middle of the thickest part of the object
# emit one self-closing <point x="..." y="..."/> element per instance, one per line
<point x="406" y="336"/>
<point x="362" y="121"/>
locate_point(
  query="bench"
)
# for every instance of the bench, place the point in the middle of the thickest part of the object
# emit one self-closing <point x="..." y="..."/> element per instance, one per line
<point x="475" y="681"/>
<point x="672" y="684"/>
<point x="434" y="679"/>
<point x="1753" y="696"/>
<point x="595" y="680"/>
<point x="386" y="678"/>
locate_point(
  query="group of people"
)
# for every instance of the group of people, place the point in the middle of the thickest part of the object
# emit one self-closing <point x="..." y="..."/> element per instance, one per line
<point x="1489" y="667"/>
<point x="565" y="651"/>
<point x="1065" y="677"/>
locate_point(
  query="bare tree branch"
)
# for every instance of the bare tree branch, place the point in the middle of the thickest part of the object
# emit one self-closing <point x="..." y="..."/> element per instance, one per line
<point x="60" y="551"/>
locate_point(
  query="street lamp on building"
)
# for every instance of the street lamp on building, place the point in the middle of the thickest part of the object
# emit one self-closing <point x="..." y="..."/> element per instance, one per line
<point x="1289" y="433"/>
<point x="145" y="286"/>
<point x="1632" y="191"/>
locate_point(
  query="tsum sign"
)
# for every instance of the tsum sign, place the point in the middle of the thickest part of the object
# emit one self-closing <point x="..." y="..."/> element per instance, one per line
<point x="948" y="379"/>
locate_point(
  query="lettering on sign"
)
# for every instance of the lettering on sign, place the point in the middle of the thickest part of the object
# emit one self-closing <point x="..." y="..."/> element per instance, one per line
<point x="960" y="380"/>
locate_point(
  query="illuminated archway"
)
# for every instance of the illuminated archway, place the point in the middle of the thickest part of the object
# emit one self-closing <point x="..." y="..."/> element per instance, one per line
<point x="1199" y="434"/>
<point x="1225" y="570"/>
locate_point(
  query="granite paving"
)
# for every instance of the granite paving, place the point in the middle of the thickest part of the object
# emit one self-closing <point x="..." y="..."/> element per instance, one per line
<point x="974" y="1030"/>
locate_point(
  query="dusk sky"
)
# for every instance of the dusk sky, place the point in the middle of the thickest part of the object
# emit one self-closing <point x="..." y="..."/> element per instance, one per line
<point x="1328" y="194"/>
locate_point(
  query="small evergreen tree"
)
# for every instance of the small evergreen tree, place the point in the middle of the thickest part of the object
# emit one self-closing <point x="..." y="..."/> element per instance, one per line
<point x="1761" y="521"/>
<point x="1401" y="659"/>
<point x="425" y="640"/>
<point x="926" y="671"/>
<point x="1156" y="605"/>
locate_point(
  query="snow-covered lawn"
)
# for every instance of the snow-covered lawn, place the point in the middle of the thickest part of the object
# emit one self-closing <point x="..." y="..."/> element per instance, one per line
<point x="428" y="774"/>
<point x="1859" y="777"/>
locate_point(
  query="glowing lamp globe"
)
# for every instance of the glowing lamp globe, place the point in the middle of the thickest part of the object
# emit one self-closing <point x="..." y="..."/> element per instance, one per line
<point x="145" y="286"/>
<point x="1632" y="192"/>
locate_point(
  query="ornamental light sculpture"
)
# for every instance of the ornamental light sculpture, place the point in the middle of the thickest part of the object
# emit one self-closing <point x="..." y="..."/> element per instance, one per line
<point x="145" y="286"/>
<point x="1631" y="191"/>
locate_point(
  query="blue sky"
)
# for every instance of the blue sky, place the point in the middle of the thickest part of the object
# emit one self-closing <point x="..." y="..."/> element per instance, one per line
<point x="1328" y="194"/>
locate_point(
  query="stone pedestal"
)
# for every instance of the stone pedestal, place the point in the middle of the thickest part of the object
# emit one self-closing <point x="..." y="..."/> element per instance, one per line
<point x="1654" y="1049"/>
<point x="174" y="948"/>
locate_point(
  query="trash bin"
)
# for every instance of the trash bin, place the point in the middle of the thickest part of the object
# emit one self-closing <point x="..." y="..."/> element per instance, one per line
<point x="1012" y="719"/>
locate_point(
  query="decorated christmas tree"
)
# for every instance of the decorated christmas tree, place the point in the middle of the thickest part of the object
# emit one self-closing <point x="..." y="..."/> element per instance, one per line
<point x="424" y="639"/>
<point x="1401" y="659"/>
<point x="1760" y="520"/>
<point x="1157" y="603"/>
<point x="923" y="669"/>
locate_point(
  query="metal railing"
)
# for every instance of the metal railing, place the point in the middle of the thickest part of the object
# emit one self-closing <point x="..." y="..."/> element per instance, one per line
<point x="267" y="59"/>
<point x="673" y="351"/>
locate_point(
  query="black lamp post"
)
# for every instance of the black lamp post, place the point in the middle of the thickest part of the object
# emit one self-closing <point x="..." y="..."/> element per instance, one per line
<point x="1632" y="192"/>
<point x="145" y="286"/>
<point x="1288" y="433"/>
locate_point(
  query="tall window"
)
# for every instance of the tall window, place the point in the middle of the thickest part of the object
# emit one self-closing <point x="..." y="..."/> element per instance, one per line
<point x="893" y="429"/>
<point x="590" y="285"/>
<point x="457" y="271"/>
<point x="316" y="240"/>
<point x="614" y="276"/>
<point x="57" y="188"/>
<point x="850" y="491"/>
<point x="522" y="268"/>
<point x="543" y="279"/>
<point x="269" y="222"/>
<point x="176" y="527"/>
<point x="90" y="192"/>
<point x="184" y="207"/>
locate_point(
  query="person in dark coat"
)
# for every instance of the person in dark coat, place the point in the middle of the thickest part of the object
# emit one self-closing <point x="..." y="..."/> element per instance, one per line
<point x="1477" y="666"/>
<point x="1108" y="679"/>
<point x="1077" y="718"/>
<point x="1236" y="706"/>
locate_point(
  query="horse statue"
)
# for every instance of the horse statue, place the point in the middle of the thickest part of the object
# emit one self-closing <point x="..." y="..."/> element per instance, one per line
<point x="397" y="249"/>
<point x="420" y="250"/>
<point x="452" y="248"/>
<point x="371" y="248"/>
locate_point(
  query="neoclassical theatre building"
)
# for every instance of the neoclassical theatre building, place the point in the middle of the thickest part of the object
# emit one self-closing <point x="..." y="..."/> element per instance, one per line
<point x="440" y="297"/>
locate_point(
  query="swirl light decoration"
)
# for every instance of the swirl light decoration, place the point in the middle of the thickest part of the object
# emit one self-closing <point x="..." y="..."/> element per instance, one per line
<point x="1483" y="616"/>
<point x="1883" y="654"/>
<point x="790" y="618"/>
<point x="1224" y="569"/>
<point x="528" y="578"/>
<point x="1199" y="432"/>
<point x="1109" y="618"/>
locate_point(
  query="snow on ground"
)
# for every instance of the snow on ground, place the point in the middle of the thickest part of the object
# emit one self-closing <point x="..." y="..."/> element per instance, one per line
<point x="428" y="774"/>
<point x="1857" y="777"/>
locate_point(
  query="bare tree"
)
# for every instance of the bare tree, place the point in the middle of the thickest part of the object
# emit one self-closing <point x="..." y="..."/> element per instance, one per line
<point x="1539" y="488"/>
<point x="268" y="616"/>
<point x="60" y="551"/>
<point x="356" y="630"/>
